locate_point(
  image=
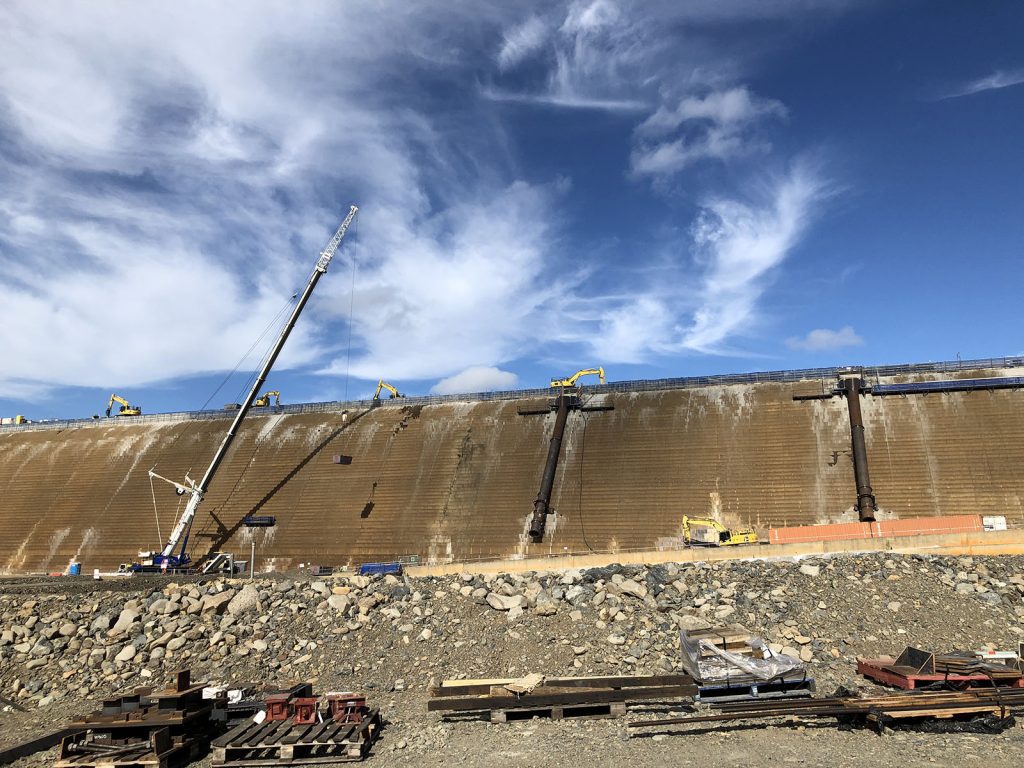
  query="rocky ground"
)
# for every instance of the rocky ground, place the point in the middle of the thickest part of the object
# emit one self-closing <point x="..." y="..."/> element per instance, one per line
<point x="66" y="643"/>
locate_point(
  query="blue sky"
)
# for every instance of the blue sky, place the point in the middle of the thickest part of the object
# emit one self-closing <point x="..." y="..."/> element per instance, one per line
<point x="661" y="188"/>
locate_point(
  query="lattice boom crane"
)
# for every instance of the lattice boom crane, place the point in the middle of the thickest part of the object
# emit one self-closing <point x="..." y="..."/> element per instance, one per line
<point x="166" y="559"/>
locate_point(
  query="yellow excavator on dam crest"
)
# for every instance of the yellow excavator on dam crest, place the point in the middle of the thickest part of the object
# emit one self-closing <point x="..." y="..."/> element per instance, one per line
<point x="263" y="401"/>
<point x="571" y="381"/>
<point x="126" y="409"/>
<point x="384" y="385"/>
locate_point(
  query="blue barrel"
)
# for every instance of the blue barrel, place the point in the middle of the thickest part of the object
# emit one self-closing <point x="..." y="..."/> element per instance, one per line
<point x="75" y="569"/>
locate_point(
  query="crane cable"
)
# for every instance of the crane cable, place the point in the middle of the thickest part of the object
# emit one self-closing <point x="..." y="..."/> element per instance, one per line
<point x="189" y="423"/>
<point x="156" y="511"/>
<point x="351" y="313"/>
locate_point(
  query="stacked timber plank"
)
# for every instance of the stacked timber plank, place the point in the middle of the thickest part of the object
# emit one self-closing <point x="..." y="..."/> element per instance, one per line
<point x="874" y="711"/>
<point x="557" y="698"/>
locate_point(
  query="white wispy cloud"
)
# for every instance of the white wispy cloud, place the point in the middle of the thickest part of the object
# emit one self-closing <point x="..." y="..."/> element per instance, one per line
<point x="740" y="243"/>
<point x="714" y="126"/>
<point x="590" y="54"/>
<point x="825" y="340"/>
<point x="711" y="294"/>
<point x="732" y="107"/>
<point x="568" y="100"/>
<point x="166" y="185"/>
<point x="632" y="331"/>
<point x="475" y="284"/>
<point x="994" y="82"/>
<point x="477" y="378"/>
<point x="521" y="42"/>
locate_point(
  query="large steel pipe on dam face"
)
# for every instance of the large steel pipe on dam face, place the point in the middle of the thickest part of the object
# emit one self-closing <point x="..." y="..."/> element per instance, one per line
<point x="543" y="500"/>
<point x="866" y="505"/>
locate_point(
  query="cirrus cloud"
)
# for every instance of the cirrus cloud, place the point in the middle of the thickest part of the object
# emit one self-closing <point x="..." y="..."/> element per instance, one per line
<point x="477" y="378"/>
<point x="826" y="340"/>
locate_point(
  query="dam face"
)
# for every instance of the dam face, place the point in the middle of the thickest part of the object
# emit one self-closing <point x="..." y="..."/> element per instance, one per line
<point x="456" y="480"/>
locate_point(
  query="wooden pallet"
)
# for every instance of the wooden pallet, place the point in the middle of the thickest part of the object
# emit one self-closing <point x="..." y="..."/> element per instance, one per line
<point x="938" y="713"/>
<point x="556" y="698"/>
<point x="885" y="670"/>
<point x="876" y="710"/>
<point x="574" y="711"/>
<point x="282" y="742"/>
<point x="711" y="693"/>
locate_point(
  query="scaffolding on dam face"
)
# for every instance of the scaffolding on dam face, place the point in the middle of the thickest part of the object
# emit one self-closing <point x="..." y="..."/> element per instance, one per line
<point x="637" y="385"/>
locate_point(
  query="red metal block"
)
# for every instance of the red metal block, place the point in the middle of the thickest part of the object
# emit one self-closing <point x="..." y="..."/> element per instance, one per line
<point x="305" y="709"/>
<point x="278" y="706"/>
<point x="347" y="707"/>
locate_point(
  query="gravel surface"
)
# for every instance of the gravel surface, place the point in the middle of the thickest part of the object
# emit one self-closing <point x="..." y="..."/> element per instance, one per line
<point x="65" y="643"/>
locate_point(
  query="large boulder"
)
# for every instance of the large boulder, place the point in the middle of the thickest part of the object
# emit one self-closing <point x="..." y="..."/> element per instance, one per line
<point x="244" y="601"/>
<point x="807" y="569"/>
<point x="125" y="621"/>
<point x="505" y="602"/>
<point x="340" y="603"/>
<point x="631" y="587"/>
<point x="101" y="623"/>
<point x="217" y="603"/>
<point x="159" y="607"/>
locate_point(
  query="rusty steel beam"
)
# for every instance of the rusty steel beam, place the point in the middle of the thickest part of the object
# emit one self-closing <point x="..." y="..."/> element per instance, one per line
<point x="542" y="503"/>
<point x="37" y="744"/>
<point x="866" y="505"/>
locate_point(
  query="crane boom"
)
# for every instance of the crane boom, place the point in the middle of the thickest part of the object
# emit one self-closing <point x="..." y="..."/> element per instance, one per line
<point x="197" y="491"/>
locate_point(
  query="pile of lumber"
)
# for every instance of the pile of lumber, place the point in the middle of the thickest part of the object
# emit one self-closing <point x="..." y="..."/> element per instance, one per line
<point x="734" y="638"/>
<point x="967" y="663"/>
<point x="729" y="663"/>
<point x="143" y="727"/>
<point x="915" y="668"/>
<point x="535" y="695"/>
<point x="877" y="710"/>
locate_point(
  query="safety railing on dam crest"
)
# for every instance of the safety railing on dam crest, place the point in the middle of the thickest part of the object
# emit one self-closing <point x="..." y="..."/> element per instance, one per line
<point x="638" y="385"/>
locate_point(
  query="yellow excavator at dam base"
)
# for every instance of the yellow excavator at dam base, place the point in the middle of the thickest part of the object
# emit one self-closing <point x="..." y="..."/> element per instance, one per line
<point x="714" y="533"/>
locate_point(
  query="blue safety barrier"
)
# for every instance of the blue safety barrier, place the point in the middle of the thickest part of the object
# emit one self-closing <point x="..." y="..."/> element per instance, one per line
<point x="377" y="569"/>
<point x="950" y="385"/>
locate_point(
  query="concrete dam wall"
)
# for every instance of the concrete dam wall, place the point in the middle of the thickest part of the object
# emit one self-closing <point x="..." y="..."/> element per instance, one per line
<point x="456" y="480"/>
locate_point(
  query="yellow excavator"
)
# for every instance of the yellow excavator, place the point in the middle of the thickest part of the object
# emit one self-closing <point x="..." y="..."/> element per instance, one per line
<point x="571" y="381"/>
<point x="126" y="409"/>
<point x="264" y="400"/>
<point x="705" y="532"/>
<point x="384" y="385"/>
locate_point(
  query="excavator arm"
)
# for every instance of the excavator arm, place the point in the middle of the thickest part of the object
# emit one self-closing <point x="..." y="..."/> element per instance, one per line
<point x="126" y="408"/>
<point x="384" y="385"/>
<point x="571" y="381"/>
<point x="264" y="400"/>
